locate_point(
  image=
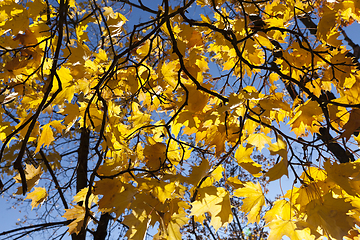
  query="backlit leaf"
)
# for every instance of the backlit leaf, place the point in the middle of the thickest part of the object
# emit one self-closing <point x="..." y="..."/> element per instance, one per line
<point x="46" y="137"/>
<point x="37" y="196"/>
<point x="32" y="177"/>
<point x="259" y="140"/>
<point x="215" y="201"/>
<point x="253" y="201"/>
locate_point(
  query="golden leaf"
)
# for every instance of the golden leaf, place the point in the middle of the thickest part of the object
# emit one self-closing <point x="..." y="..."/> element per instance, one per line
<point x="81" y="197"/>
<point x="259" y="140"/>
<point x="306" y="118"/>
<point x="46" y="137"/>
<point x="216" y="201"/>
<point x="243" y="158"/>
<point x="352" y="125"/>
<point x="281" y="209"/>
<point x="331" y="215"/>
<point x="37" y="196"/>
<point x="253" y="201"/>
<point x="280" y="169"/>
<point x="78" y="214"/>
<point x="176" y="222"/>
<point x="138" y="223"/>
<point x="280" y="227"/>
<point x="32" y="177"/>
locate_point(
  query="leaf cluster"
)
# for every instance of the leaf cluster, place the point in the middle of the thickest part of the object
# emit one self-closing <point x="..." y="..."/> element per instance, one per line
<point x="182" y="120"/>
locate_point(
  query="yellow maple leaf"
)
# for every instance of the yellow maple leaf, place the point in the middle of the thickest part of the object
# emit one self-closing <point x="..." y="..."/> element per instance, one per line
<point x="164" y="191"/>
<point x="198" y="172"/>
<point x="281" y="209"/>
<point x="101" y="56"/>
<point x="155" y="155"/>
<point x="346" y="175"/>
<point x="32" y="177"/>
<point x="259" y="140"/>
<point x="37" y="196"/>
<point x="188" y="119"/>
<point x="216" y="201"/>
<point x="196" y="39"/>
<point x="72" y="111"/>
<point x="225" y="215"/>
<point x="327" y="22"/>
<point x="279" y="147"/>
<point x="234" y="182"/>
<point x="120" y="201"/>
<point x="138" y="118"/>
<point x="175" y="153"/>
<point x="78" y="214"/>
<point x="68" y="87"/>
<point x="217" y="174"/>
<point x="46" y="137"/>
<point x="313" y="174"/>
<point x="57" y="125"/>
<point x="81" y="197"/>
<point x="197" y="100"/>
<point x="253" y="201"/>
<point x="280" y="169"/>
<point x="307" y="117"/>
<point x="216" y="136"/>
<point x="169" y="71"/>
<point x="264" y="40"/>
<point x="242" y="156"/>
<point x="36" y="8"/>
<point x="117" y="196"/>
<point x="332" y="38"/>
<point x="331" y="214"/>
<point x="307" y="193"/>
<point x="176" y="222"/>
<point x="281" y="227"/>
<point x="138" y="223"/>
<point x="143" y="50"/>
<point x="352" y="125"/>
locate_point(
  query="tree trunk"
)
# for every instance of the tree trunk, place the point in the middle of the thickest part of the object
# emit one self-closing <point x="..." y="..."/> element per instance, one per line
<point x="81" y="172"/>
<point x="101" y="230"/>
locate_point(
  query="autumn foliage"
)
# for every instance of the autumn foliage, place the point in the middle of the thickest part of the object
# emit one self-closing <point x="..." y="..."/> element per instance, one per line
<point x="179" y="114"/>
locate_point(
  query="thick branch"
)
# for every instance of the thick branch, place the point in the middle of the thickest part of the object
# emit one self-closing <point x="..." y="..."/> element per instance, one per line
<point x="83" y="152"/>
<point x="42" y="225"/>
<point x="81" y="172"/>
<point x="101" y="230"/>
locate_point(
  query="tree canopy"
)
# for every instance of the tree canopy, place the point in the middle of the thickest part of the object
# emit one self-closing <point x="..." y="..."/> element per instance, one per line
<point x="177" y="115"/>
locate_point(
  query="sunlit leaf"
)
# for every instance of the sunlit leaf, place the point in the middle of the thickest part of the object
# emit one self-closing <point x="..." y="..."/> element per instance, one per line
<point x="37" y="196"/>
<point x="253" y="201"/>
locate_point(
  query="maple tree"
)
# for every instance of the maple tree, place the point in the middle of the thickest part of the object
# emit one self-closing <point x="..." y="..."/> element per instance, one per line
<point x="109" y="118"/>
